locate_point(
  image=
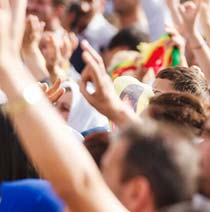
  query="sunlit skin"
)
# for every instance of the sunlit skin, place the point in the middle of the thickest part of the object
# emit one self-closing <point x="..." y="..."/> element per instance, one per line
<point x="135" y="194"/>
<point x="204" y="148"/>
<point x="161" y="86"/>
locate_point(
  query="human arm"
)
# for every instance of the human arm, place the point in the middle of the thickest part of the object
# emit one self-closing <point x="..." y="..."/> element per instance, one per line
<point x="205" y="19"/>
<point x="30" y="51"/>
<point x="173" y="6"/>
<point x="178" y="41"/>
<point x="189" y="13"/>
<point x="104" y="99"/>
<point x="51" y="146"/>
<point x="57" y="50"/>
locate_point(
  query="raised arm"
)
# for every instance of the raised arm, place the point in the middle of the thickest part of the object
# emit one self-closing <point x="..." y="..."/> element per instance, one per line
<point x="57" y="154"/>
<point x="189" y="13"/>
<point x="30" y="51"/>
<point x="205" y="19"/>
<point x="104" y="99"/>
<point x="173" y="6"/>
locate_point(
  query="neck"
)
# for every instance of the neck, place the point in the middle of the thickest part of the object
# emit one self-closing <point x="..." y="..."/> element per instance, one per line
<point x="129" y="19"/>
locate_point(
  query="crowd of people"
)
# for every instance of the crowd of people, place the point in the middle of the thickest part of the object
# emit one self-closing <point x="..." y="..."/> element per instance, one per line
<point x="105" y="105"/>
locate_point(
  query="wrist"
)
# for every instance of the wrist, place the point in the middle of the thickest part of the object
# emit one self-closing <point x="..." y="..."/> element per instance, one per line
<point x="195" y="41"/>
<point x="120" y="114"/>
<point x="32" y="48"/>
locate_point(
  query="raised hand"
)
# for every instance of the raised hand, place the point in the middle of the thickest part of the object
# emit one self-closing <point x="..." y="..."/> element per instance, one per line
<point x="53" y="93"/>
<point x="104" y="99"/>
<point x="205" y="19"/>
<point x="69" y="44"/>
<point x="178" y="41"/>
<point x="12" y="22"/>
<point x="189" y="13"/>
<point x="30" y="51"/>
<point x="33" y="32"/>
<point x="173" y="6"/>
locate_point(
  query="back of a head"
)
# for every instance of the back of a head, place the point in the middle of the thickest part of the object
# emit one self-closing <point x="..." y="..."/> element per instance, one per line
<point x="128" y="37"/>
<point x="179" y="108"/>
<point x="169" y="163"/>
<point x="190" y="80"/>
<point x="97" y="143"/>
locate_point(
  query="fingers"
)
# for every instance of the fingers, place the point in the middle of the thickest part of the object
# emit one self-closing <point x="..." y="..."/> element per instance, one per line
<point x="55" y="92"/>
<point x="171" y="30"/>
<point x="54" y="97"/>
<point x="44" y="87"/>
<point x="74" y="40"/>
<point x="55" y="87"/>
<point x="87" y="47"/>
<point x="190" y="7"/>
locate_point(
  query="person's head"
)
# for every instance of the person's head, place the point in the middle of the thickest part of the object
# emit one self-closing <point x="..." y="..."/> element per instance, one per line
<point x="79" y="13"/>
<point x="46" y="10"/>
<point x="125" y="7"/>
<point x="178" y="108"/>
<point x="130" y="96"/>
<point x="14" y="164"/>
<point x="97" y="143"/>
<point x="181" y="79"/>
<point x="63" y="104"/>
<point x="125" y="39"/>
<point x="77" y="112"/>
<point x="151" y="167"/>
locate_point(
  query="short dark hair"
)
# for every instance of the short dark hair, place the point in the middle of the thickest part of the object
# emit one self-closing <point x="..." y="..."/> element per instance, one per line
<point x="129" y="37"/>
<point x="180" y="109"/>
<point x="14" y="164"/>
<point x="170" y="165"/>
<point x="189" y="80"/>
<point x="97" y="143"/>
<point x="59" y="2"/>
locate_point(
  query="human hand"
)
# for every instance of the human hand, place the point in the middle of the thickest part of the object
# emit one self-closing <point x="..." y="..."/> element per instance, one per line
<point x="53" y="93"/>
<point x="58" y="51"/>
<point x="173" y="6"/>
<point x="12" y="21"/>
<point x="69" y="44"/>
<point x="176" y="39"/>
<point x="104" y="99"/>
<point x="33" y="32"/>
<point x="189" y="13"/>
<point x="30" y="51"/>
<point x="50" y="48"/>
<point x="204" y="14"/>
